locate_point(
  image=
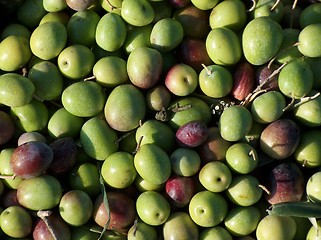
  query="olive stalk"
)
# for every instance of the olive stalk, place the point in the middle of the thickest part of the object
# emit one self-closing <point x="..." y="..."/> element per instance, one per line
<point x="105" y="201"/>
<point x="112" y="7"/>
<point x="259" y="89"/>
<point x="293" y="104"/>
<point x="44" y="214"/>
<point x="164" y="114"/>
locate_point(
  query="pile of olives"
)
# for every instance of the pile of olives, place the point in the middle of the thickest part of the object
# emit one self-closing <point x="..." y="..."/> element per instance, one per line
<point x="160" y="119"/>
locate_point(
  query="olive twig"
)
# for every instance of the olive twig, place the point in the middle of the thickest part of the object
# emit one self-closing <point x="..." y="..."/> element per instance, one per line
<point x="112" y="7"/>
<point x="290" y="105"/>
<point x="296" y="44"/>
<point x="90" y="78"/>
<point x="94" y="230"/>
<point x="304" y="163"/>
<point x="55" y="104"/>
<point x="24" y="72"/>
<point x="259" y="89"/>
<point x="253" y="6"/>
<point x="264" y="189"/>
<point x="138" y="144"/>
<point x="306" y="99"/>
<point x="252" y="154"/>
<point x="250" y="139"/>
<point x="273" y="74"/>
<point x="275" y="5"/>
<point x="124" y="136"/>
<point x="10" y="177"/>
<point x="294" y="4"/>
<point x="105" y="202"/>
<point x="163" y="115"/>
<point x="315" y="224"/>
<point x="177" y="108"/>
<point x="135" y="227"/>
<point x="43" y="215"/>
<point x="302" y="100"/>
<point x="38" y="98"/>
<point x="281" y="52"/>
<point x="208" y="71"/>
<point x="252" y="96"/>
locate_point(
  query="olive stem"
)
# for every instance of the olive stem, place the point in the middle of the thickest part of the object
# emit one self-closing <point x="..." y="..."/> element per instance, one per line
<point x="90" y="78"/>
<point x="112" y="7"/>
<point x="104" y="200"/>
<point x="56" y="104"/>
<point x="314" y="223"/>
<point x="44" y="214"/>
<point x="253" y="6"/>
<point x="292" y="14"/>
<point x="302" y="100"/>
<point x="37" y="98"/>
<point x="306" y="99"/>
<point x="178" y="108"/>
<point x="294" y="4"/>
<point x="250" y="138"/>
<point x="138" y="144"/>
<point x="124" y="136"/>
<point x="296" y="44"/>
<point x="282" y="51"/>
<point x="258" y="90"/>
<point x="290" y="105"/>
<point x="275" y="5"/>
<point x="252" y="154"/>
<point x="163" y="115"/>
<point x="208" y="71"/>
<point x="135" y="227"/>
<point x="251" y="97"/>
<point x="264" y="189"/>
<point x="10" y="177"/>
<point x="274" y="73"/>
<point x="94" y="230"/>
<point x="24" y="71"/>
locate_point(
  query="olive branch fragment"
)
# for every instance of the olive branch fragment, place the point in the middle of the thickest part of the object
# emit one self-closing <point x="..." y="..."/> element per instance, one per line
<point x="253" y="6"/>
<point x="267" y="191"/>
<point x="124" y="136"/>
<point x="105" y="201"/>
<point x="294" y="104"/>
<point x="24" y="72"/>
<point x="135" y="226"/>
<point x="96" y="229"/>
<point x="138" y="144"/>
<point x="44" y="215"/>
<point x="112" y="7"/>
<point x="278" y="1"/>
<point x="164" y="114"/>
<point x="253" y="155"/>
<point x="254" y="2"/>
<point x="259" y="89"/>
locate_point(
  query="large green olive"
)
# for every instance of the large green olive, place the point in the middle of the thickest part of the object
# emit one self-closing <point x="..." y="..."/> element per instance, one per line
<point x="261" y="40"/>
<point x="125" y="107"/>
